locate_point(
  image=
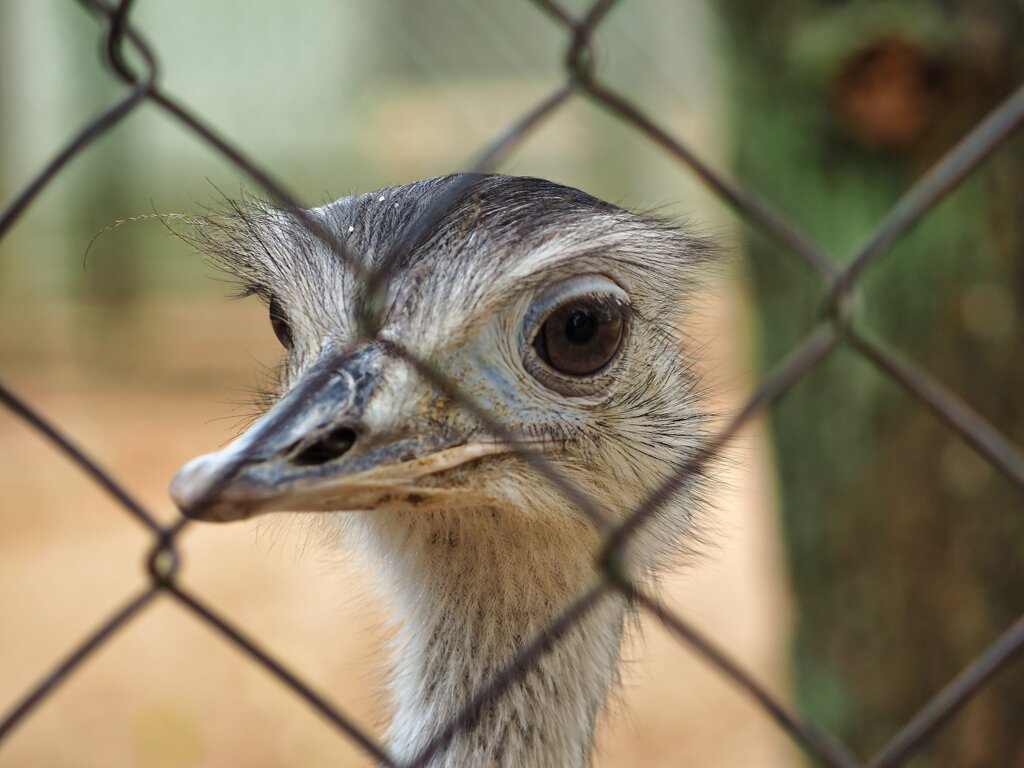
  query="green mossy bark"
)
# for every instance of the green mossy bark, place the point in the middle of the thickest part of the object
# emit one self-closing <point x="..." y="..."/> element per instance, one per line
<point x="906" y="549"/>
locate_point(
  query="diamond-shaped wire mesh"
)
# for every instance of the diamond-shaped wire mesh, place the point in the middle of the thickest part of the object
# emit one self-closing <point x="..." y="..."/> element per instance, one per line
<point x="834" y="329"/>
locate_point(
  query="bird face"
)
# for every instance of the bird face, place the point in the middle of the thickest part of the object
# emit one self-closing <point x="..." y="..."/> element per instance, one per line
<point x="551" y="312"/>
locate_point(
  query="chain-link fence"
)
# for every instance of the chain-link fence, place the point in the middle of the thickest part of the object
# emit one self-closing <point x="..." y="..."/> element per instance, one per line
<point x="836" y="327"/>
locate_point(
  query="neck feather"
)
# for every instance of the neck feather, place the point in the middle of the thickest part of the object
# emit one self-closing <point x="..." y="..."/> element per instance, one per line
<point x="472" y="588"/>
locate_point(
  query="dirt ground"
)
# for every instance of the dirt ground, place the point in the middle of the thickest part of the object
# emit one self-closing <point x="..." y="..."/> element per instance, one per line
<point x="146" y="394"/>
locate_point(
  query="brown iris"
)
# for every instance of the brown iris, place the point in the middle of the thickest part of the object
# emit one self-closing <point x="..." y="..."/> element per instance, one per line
<point x="580" y="337"/>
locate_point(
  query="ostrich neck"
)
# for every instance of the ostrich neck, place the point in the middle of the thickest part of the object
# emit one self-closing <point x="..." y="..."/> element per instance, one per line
<point x="473" y="587"/>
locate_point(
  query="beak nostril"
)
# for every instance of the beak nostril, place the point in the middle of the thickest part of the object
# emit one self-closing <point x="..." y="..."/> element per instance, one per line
<point x="330" y="445"/>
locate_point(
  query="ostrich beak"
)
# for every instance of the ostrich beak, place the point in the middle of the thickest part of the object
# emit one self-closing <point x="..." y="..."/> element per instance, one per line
<point x="313" y="452"/>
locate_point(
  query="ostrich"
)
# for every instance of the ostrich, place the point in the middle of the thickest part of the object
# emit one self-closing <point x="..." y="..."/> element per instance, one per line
<point x="556" y="312"/>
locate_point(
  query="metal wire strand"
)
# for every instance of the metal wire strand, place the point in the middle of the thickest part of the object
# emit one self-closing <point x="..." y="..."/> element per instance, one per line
<point x="805" y="733"/>
<point x="163" y="563"/>
<point x="953" y="412"/>
<point x="520" y="665"/>
<point x="952" y="698"/>
<point x="262" y="658"/>
<point x="63" y="669"/>
<point x="962" y="160"/>
<point x="97" y="474"/>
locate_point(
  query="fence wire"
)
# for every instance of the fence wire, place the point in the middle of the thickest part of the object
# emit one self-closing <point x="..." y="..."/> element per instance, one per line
<point x="835" y="327"/>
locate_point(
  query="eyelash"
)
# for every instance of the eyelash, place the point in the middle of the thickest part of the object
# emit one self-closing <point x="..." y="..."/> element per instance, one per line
<point x="246" y="290"/>
<point x="536" y="322"/>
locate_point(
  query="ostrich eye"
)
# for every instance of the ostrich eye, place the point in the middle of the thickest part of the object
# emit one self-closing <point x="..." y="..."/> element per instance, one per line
<point x="279" y="322"/>
<point x="580" y="337"/>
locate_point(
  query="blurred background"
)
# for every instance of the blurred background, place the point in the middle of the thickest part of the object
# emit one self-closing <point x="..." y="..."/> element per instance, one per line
<point x="863" y="553"/>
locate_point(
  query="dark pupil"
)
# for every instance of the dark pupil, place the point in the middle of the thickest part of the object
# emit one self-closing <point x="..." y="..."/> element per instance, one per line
<point x="581" y="337"/>
<point x="581" y="327"/>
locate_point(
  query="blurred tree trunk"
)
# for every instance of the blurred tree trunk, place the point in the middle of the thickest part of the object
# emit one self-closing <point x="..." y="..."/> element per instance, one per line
<point x="907" y="549"/>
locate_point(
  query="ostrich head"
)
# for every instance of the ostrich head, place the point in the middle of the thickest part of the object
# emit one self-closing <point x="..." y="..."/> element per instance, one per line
<point x="557" y="315"/>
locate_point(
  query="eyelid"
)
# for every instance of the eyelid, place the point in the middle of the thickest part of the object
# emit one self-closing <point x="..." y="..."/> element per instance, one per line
<point x="598" y="287"/>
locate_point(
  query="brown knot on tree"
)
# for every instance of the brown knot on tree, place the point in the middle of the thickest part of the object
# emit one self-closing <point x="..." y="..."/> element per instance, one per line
<point x="891" y="93"/>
